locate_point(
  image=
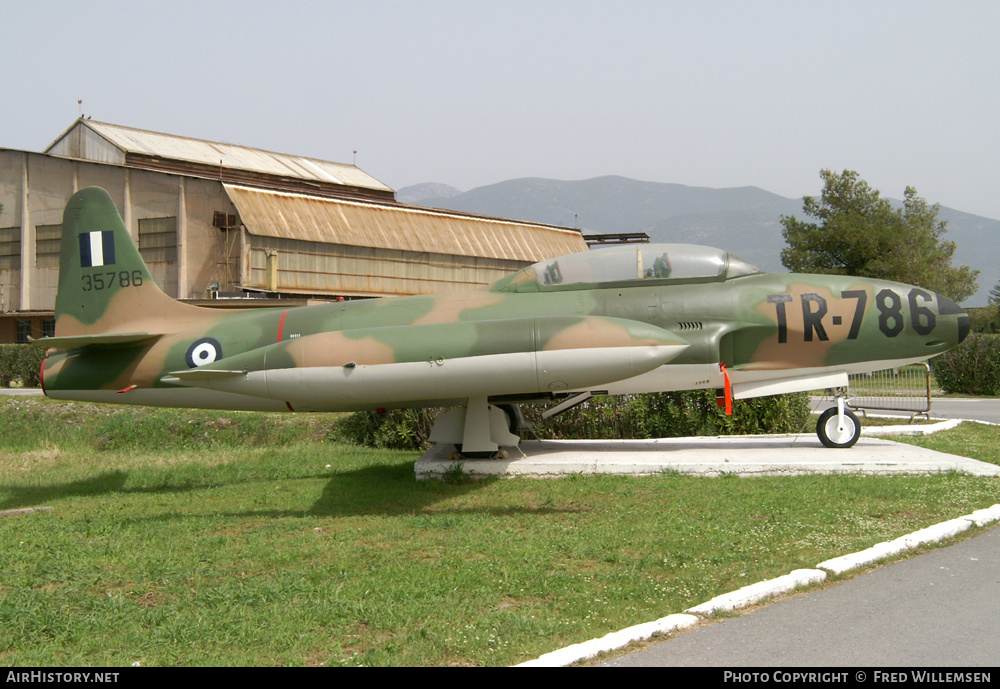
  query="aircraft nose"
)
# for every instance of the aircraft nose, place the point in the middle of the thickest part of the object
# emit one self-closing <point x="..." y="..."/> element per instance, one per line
<point x="964" y="327"/>
<point x="946" y="307"/>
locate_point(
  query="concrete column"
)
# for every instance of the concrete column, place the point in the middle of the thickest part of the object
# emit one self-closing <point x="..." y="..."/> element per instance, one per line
<point x="127" y="210"/>
<point x="182" y="286"/>
<point x="27" y="243"/>
<point x="243" y="263"/>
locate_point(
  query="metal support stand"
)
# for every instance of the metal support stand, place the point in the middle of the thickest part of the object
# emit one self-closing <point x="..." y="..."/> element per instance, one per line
<point x="476" y="430"/>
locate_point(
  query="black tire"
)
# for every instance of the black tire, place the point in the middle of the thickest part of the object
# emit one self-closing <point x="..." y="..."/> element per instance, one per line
<point x="475" y="455"/>
<point x="513" y="418"/>
<point x="826" y="429"/>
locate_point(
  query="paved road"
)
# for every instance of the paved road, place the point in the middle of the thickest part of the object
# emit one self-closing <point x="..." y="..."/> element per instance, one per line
<point x="946" y="408"/>
<point x="941" y="608"/>
<point x="977" y="409"/>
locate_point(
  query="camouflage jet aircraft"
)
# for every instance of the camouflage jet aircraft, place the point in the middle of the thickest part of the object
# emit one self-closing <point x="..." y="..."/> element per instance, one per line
<point x="631" y="319"/>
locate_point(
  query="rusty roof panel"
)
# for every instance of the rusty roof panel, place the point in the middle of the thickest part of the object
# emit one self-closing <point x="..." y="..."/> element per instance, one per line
<point x="168" y="146"/>
<point x="404" y="228"/>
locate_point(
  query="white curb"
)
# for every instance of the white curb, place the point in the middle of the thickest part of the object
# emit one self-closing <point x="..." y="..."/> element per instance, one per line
<point x="986" y="516"/>
<point x="879" y="551"/>
<point x="754" y="593"/>
<point x="612" y="641"/>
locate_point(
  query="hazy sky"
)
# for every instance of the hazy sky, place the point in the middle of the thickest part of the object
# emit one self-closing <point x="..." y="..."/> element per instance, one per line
<point x="717" y="94"/>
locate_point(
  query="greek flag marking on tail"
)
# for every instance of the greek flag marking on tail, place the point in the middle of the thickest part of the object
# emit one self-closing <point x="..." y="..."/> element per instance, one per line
<point x="97" y="249"/>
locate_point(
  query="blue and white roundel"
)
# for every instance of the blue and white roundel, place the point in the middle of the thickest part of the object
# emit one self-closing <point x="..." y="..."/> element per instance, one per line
<point x="204" y="351"/>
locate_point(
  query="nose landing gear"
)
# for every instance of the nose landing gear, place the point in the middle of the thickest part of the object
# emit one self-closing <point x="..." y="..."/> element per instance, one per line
<point x="838" y="427"/>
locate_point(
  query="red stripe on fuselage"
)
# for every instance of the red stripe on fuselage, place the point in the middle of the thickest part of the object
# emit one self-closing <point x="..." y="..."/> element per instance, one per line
<point x="281" y="324"/>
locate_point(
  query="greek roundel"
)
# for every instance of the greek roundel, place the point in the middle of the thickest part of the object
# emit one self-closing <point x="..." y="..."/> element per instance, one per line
<point x="204" y="351"/>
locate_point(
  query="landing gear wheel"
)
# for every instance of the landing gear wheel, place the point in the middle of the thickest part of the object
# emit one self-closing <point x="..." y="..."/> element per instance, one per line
<point x="513" y="418"/>
<point x="831" y="436"/>
<point x="476" y="455"/>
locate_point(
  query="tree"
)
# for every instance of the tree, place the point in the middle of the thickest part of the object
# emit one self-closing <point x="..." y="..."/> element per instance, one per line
<point x="859" y="233"/>
<point x="987" y="319"/>
<point x="995" y="295"/>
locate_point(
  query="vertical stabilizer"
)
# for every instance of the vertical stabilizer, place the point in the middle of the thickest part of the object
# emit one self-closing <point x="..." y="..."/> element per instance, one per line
<point x="104" y="285"/>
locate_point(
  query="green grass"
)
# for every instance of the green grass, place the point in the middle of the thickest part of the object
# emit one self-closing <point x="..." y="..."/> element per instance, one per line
<point x="975" y="440"/>
<point x="198" y="538"/>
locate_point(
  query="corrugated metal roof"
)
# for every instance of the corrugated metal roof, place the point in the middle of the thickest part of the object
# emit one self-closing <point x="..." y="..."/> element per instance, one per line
<point x="405" y="228"/>
<point x="169" y="146"/>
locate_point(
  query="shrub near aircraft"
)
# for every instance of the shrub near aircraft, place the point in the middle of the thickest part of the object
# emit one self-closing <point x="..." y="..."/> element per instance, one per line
<point x="631" y="319"/>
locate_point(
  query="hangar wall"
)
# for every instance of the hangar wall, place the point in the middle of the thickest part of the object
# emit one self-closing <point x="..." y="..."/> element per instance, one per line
<point x="217" y="220"/>
<point x="168" y="216"/>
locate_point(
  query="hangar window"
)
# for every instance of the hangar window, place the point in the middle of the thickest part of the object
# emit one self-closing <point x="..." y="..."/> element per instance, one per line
<point x="23" y="331"/>
<point x="10" y="248"/>
<point x="47" y="240"/>
<point x="158" y="240"/>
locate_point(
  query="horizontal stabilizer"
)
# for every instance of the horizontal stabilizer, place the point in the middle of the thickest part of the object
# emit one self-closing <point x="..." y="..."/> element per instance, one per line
<point x="77" y="341"/>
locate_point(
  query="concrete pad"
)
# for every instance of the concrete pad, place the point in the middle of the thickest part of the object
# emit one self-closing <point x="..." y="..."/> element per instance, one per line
<point x="906" y="429"/>
<point x="755" y="455"/>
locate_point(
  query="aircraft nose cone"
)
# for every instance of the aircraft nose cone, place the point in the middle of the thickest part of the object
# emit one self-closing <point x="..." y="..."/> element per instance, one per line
<point x="946" y="307"/>
<point x="964" y="326"/>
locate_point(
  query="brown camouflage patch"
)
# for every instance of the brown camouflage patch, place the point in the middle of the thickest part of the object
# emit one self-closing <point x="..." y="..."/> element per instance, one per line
<point x="597" y="332"/>
<point x="333" y="349"/>
<point x="804" y="347"/>
<point x="448" y="308"/>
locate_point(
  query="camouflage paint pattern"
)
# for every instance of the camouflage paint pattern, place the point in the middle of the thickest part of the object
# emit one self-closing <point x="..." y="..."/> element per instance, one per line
<point x="756" y="324"/>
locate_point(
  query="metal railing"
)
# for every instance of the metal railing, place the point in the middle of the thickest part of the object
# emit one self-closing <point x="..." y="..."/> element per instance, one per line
<point x="906" y="389"/>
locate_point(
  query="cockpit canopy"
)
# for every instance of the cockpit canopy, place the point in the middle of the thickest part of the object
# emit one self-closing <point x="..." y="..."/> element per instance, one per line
<point x="637" y="262"/>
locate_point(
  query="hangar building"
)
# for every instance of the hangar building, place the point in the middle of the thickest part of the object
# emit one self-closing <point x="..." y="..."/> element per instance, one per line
<point x="219" y="224"/>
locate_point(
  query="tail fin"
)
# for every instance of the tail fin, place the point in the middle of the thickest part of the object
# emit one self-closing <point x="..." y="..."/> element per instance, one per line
<point x="104" y="285"/>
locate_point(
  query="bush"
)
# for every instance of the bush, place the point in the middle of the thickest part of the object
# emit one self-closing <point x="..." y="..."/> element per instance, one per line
<point x="672" y="415"/>
<point x="972" y="368"/>
<point x="20" y="363"/>
<point x="662" y="415"/>
<point x="984" y="319"/>
<point x="395" y="429"/>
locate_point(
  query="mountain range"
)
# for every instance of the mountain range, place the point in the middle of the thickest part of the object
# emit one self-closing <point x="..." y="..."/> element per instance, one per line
<point x="745" y="221"/>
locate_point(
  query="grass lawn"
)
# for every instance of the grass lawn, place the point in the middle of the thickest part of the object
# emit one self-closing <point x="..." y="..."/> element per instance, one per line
<point x="199" y="538"/>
